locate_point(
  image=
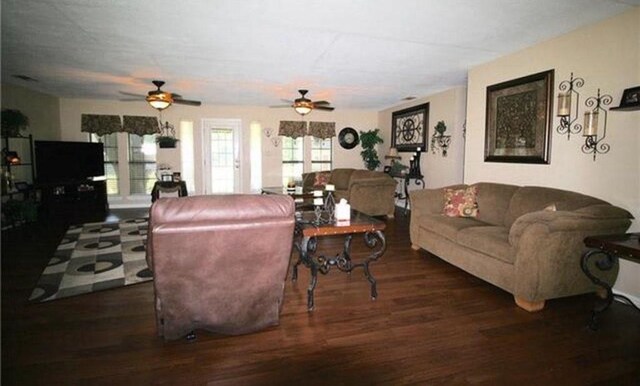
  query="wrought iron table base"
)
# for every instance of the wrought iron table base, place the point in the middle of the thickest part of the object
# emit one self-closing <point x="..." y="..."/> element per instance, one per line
<point x="605" y="263"/>
<point x="307" y="248"/>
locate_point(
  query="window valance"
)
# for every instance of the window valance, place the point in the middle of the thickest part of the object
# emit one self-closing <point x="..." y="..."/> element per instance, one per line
<point x="322" y="130"/>
<point x="140" y="125"/>
<point x="101" y="124"/>
<point x="293" y="129"/>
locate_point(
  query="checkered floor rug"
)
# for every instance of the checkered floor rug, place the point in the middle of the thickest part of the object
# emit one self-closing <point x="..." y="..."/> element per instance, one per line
<point x="93" y="257"/>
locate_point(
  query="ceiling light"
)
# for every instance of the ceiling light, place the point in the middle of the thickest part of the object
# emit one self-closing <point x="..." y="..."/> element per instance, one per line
<point x="160" y="101"/>
<point x="303" y="110"/>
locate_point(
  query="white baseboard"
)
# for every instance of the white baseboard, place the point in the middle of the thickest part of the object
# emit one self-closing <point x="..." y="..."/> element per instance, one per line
<point x="634" y="299"/>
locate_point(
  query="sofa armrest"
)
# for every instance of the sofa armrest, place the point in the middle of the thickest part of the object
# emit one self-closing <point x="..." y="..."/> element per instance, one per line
<point x="616" y="220"/>
<point x="372" y="196"/>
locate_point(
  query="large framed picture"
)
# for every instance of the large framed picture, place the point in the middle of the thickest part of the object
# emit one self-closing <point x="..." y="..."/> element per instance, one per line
<point x="409" y="128"/>
<point x="518" y="119"/>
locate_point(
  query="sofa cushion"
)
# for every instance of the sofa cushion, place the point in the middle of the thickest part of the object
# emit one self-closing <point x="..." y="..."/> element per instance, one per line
<point x="490" y="240"/>
<point x="493" y="201"/>
<point x="534" y="198"/>
<point x="447" y="226"/>
<point x="321" y="179"/>
<point x="460" y="202"/>
<point x="340" y="178"/>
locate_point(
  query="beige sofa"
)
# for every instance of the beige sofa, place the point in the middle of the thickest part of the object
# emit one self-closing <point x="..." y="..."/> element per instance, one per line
<point x="369" y="192"/>
<point x="525" y="240"/>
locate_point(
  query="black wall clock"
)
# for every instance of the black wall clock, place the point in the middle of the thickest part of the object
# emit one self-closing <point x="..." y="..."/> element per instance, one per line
<point x="348" y="138"/>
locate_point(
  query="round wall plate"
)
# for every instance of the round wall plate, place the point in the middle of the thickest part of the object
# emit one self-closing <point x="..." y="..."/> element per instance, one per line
<point x="348" y="138"/>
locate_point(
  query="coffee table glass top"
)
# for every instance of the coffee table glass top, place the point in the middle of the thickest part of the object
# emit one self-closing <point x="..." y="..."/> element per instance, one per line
<point x="359" y="223"/>
<point x="283" y="190"/>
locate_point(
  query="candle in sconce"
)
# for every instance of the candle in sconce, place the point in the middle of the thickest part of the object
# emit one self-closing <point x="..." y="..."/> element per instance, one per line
<point x="318" y="201"/>
<point x="330" y="187"/>
<point x="317" y="193"/>
<point x="419" y="149"/>
<point x="564" y="104"/>
<point x="590" y="124"/>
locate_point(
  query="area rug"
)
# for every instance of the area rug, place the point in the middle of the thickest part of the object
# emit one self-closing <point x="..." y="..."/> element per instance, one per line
<point x="93" y="257"/>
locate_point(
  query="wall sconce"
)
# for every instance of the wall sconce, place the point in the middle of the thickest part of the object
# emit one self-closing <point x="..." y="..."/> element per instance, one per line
<point x="593" y="144"/>
<point x="567" y="114"/>
<point x="268" y="132"/>
<point x="439" y="140"/>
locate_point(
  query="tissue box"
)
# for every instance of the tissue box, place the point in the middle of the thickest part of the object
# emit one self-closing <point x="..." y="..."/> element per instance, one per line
<point x="343" y="212"/>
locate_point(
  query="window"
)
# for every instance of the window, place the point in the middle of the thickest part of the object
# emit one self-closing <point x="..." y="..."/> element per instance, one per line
<point x="292" y="159"/>
<point x="142" y="163"/>
<point x="110" y="143"/>
<point x="320" y="154"/>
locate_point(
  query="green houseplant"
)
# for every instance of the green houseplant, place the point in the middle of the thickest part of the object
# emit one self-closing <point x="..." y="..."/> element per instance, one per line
<point x="369" y="140"/>
<point x="166" y="141"/>
<point x="13" y="122"/>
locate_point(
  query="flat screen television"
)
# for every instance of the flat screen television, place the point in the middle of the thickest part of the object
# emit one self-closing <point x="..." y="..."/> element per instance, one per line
<point x="59" y="162"/>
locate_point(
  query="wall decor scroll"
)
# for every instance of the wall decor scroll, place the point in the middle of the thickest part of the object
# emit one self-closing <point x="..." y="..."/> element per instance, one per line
<point x="518" y="119"/>
<point x="409" y="128"/>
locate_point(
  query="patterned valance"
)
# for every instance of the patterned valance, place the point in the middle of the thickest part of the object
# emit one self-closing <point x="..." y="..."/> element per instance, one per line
<point x="293" y="129"/>
<point x="101" y="124"/>
<point x="140" y="125"/>
<point x="322" y="130"/>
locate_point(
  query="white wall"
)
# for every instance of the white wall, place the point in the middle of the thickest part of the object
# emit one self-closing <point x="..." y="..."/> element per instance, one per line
<point x="72" y="109"/>
<point x="606" y="56"/>
<point x="448" y="106"/>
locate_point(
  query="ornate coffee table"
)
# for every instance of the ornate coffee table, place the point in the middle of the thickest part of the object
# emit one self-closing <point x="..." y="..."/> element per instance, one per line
<point x="308" y="232"/>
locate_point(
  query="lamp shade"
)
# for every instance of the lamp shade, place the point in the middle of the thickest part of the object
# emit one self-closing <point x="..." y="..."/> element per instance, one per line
<point x="590" y="124"/>
<point x="393" y="153"/>
<point x="160" y="101"/>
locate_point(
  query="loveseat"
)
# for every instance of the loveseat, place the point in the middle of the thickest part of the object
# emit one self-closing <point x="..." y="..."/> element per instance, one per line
<point x="526" y="240"/>
<point x="369" y="192"/>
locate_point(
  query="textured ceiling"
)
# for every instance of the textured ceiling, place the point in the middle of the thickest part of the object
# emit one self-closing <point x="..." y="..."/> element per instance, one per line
<point x="356" y="53"/>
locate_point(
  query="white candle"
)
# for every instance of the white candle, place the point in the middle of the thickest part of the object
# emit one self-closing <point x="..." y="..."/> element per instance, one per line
<point x="330" y="188"/>
<point x="318" y="201"/>
<point x="564" y="104"/>
<point x="411" y="158"/>
<point x="317" y="193"/>
<point x="418" y="149"/>
<point x="590" y="123"/>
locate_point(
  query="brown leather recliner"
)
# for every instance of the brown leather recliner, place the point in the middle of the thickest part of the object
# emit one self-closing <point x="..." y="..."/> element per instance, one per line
<point x="219" y="262"/>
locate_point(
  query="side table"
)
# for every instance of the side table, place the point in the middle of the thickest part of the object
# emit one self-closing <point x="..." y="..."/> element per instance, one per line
<point x="168" y="187"/>
<point x="609" y="249"/>
<point x="418" y="179"/>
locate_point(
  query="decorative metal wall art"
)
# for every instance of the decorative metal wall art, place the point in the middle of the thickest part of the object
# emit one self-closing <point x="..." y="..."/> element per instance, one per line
<point x="518" y="119"/>
<point x="409" y="128"/>
<point x="593" y="144"/>
<point x="568" y="115"/>
<point x="439" y="141"/>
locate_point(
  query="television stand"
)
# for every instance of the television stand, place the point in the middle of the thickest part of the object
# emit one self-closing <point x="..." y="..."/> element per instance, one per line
<point x="75" y="198"/>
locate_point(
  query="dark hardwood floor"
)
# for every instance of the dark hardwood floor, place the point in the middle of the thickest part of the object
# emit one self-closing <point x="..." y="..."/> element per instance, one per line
<point x="431" y="324"/>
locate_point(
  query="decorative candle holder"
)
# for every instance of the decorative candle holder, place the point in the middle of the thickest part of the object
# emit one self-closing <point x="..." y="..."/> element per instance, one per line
<point x="330" y="205"/>
<point x="568" y="115"/>
<point x="593" y="144"/>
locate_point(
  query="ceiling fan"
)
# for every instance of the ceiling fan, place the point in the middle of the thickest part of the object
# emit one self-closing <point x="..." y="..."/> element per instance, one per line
<point x="159" y="99"/>
<point x="304" y="105"/>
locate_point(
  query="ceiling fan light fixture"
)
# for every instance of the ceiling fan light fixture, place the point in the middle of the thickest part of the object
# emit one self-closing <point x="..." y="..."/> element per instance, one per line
<point x="160" y="101"/>
<point x="303" y="110"/>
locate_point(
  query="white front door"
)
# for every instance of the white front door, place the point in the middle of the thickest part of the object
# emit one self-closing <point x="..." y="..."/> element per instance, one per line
<point x="221" y="147"/>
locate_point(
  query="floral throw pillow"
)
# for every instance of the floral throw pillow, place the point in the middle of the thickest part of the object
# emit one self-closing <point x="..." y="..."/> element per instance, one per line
<point x="461" y="202"/>
<point x="322" y="179"/>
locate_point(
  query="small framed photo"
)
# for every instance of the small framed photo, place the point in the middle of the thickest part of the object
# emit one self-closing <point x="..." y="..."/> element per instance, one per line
<point x="167" y="178"/>
<point x="176" y="177"/>
<point x="630" y="97"/>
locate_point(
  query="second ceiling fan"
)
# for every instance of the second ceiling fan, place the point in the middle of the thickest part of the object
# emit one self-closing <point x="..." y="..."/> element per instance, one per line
<point x="304" y="105"/>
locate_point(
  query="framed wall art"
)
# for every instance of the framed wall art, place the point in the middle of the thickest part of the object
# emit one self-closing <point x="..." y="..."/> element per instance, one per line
<point x="518" y="119"/>
<point x="409" y="128"/>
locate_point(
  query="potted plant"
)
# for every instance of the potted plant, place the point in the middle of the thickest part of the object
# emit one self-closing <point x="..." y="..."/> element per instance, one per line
<point x="166" y="141"/>
<point x="369" y="140"/>
<point x="13" y="122"/>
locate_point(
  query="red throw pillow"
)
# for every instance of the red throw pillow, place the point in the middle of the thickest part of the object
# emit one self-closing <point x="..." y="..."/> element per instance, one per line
<point x="461" y="202"/>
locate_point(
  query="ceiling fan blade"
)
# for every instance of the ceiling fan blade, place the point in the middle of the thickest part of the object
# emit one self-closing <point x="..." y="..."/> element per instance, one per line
<point x="186" y="102"/>
<point x="131" y="99"/>
<point x="287" y="101"/>
<point x="176" y="96"/>
<point x="321" y="103"/>
<point x="132" y="94"/>
<point x="326" y="108"/>
<point x="280" y="106"/>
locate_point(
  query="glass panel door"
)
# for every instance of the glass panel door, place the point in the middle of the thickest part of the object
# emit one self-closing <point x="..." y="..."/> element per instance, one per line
<point x="221" y="149"/>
